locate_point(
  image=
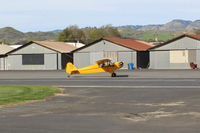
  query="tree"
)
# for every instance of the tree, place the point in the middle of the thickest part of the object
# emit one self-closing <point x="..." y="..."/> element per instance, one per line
<point x="88" y="34"/>
<point x="72" y="33"/>
<point x="94" y="33"/>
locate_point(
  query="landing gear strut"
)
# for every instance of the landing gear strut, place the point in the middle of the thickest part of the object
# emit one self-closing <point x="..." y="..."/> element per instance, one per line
<point x="113" y="75"/>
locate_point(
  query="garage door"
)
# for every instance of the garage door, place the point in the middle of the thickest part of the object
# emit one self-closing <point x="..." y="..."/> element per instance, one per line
<point x="81" y="59"/>
<point x="94" y="56"/>
<point x="126" y="57"/>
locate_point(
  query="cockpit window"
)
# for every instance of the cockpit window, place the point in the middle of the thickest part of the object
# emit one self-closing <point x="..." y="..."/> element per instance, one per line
<point x="105" y="64"/>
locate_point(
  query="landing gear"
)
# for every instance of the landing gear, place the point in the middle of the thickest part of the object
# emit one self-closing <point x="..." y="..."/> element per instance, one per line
<point x="113" y="75"/>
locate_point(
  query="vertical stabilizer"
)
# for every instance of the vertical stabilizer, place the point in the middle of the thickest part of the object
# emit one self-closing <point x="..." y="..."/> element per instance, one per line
<point x="70" y="68"/>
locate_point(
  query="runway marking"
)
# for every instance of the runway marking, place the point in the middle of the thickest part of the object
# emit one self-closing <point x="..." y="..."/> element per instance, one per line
<point x="160" y="87"/>
<point x="91" y="80"/>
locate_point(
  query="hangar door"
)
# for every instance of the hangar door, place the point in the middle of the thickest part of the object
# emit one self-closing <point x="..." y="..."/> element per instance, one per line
<point x="81" y="59"/>
<point x="2" y="63"/>
<point x="125" y="57"/>
<point x="111" y="55"/>
<point x="183" y="56"/>
<point x="94" y="56"/>
<point x="142" y="59"/>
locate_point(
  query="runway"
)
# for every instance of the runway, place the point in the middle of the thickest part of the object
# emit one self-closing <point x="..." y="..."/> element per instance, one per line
<point x="119" y="81"/>
<point x="141" y="102"/>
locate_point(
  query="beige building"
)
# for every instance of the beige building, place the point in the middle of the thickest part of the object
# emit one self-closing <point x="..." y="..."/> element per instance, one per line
<point x="39" y="55"/>
<point x="4" y="48"/>
<point x="177" y="53"/>
<point x="116" y="49"/>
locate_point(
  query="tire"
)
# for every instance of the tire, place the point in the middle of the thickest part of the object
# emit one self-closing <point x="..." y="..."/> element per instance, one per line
<point x="113" y="75"/>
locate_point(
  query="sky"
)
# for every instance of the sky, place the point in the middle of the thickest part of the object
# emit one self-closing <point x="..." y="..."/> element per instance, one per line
<point x="47" y="15"/>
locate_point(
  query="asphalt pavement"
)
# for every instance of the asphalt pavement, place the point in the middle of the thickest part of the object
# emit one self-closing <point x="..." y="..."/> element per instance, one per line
<point x="140" y="101"/>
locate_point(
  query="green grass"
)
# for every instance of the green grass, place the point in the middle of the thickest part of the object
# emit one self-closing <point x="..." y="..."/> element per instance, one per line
<point x="11" y="94"/>
<point x="149" y="35"/>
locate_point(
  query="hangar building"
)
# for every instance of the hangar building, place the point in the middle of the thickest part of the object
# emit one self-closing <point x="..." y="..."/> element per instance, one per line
<point x="126" y="50"/>
<point x="39" y="55"/>
<point x="177" y="53"/>
<point x="4" y="48"/>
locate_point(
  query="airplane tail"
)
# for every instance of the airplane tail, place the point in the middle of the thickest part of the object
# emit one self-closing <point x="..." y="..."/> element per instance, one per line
<point x="70" y="68"/>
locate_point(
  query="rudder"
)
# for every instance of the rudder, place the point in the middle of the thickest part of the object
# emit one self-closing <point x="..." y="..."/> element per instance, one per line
<point x="70" y="68"/>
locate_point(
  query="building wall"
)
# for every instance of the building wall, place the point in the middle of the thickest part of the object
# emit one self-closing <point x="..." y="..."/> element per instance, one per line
<point x="104" y="46"/>
<point x="104" y="49"/>
<point x="176" y="55"/>
<point x="198" y="57"/>
<point x="81" y="59"/>
<point x="51" y="59"/>
<point x="33" y="49"/>
<point x="2" y="63"/>
<point x="14" y="62"/>
<point x="128" y="57"/>
<point x="183" y="43"/>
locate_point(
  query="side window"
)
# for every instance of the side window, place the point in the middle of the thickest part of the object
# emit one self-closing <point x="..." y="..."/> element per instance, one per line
<point x="33" y="59"/>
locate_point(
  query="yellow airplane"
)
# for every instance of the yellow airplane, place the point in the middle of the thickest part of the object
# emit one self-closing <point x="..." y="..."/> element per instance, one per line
<point x="104" y="65"/>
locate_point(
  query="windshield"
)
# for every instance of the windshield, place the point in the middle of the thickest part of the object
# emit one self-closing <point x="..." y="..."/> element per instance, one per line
<point x="106" y="63"/>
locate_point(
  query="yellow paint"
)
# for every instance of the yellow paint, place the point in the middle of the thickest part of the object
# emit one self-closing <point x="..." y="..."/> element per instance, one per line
<point x="103" y="65"/>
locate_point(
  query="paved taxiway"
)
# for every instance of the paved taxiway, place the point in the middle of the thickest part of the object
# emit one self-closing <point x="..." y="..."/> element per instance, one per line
<point x="145" y="101"/>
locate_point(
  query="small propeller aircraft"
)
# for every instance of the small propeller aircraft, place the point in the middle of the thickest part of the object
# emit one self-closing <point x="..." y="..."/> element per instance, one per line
<point x="104" y="65"/>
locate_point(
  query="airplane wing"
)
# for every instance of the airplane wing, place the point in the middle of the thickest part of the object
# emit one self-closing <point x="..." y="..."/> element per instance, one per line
<point x="103" y="60"/>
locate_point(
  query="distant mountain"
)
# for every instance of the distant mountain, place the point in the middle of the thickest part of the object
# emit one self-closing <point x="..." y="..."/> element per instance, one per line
<point x="161" y="33"/>
<point x="150" y="27"/>
<point x="193" y="25"/>
<point x="56" y="31"/>
<point x="174" y="25"/>
<point x="152" y="32"/>
<point x="10" y="35"/>
<point x="134" y="27"/>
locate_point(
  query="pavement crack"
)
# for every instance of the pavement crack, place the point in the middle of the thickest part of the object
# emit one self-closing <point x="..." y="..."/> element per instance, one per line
<point x="139" y="117"/>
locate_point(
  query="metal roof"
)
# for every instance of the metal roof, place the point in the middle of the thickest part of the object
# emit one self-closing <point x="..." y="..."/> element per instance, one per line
<point x="128" y="43"/>
<point x="5" y="49"/>
<point x="60" y="47"/>
<point x="194" y="36"/>
<point x="132" y="44"/>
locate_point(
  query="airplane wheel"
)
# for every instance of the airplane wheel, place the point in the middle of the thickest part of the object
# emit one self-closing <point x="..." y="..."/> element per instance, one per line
<point x="113" y="75"/>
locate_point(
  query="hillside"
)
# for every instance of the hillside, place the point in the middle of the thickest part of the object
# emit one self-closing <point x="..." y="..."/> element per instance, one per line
<point x="173" y="25"/>
<point x="161" y="32"/>
<point x="10" y="35"/>
<point x="153" y="32"/>
<point x="150" y="35"/>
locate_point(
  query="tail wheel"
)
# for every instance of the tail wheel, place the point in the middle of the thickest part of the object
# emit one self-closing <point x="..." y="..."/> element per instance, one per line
<point x="113" y="75"/>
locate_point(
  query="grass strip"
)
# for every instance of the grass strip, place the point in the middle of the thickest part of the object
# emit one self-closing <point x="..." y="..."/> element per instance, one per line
<point x="11" y="94"/>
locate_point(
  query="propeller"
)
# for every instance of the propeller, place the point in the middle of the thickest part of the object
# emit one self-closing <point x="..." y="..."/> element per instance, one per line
<point x="121" y="63"/>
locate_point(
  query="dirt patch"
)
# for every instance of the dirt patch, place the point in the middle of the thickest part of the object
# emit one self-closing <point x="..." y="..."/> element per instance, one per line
<point x="162" y="104"/>
<point x="137" y="117"/>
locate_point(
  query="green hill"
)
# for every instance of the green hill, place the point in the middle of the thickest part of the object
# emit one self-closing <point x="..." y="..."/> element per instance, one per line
<point x="150" y="35"/>
<point x="10" y="35"/>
